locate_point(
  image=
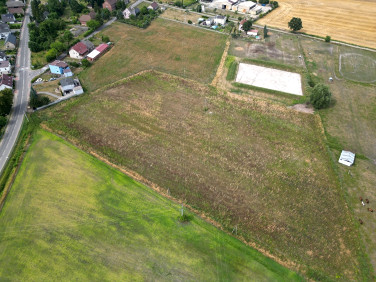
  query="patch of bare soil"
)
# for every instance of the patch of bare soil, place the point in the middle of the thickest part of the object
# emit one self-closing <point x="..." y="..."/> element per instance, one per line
<point x="303" y="108"/>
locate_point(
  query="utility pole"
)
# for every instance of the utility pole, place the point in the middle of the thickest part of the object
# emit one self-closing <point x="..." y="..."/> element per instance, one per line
<point x="182" y="210"/>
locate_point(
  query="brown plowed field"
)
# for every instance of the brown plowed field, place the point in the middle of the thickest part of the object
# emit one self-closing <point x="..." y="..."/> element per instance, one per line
<point x="352" y="21"/>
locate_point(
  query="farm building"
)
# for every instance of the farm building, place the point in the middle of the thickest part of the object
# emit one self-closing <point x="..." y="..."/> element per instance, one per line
<point x="58" y="67"/>
<point x="257" y="10"/>
<point x="97" y="52"/>
<point x="6" y="81"/>
<point x="245" y="7"/>
<point x="347" y="158"/>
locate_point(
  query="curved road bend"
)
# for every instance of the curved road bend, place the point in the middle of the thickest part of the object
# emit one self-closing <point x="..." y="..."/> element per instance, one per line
<point x="21" y="95"/>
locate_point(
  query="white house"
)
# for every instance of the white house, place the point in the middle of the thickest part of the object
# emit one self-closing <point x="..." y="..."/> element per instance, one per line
<point x="220" y="20"/>
<point x="347" y="158"/>
<point x="78" y="51"/>
<point x="130" y="11"/>
<point x="5" y="67"/>
<point x="252" y="32"/>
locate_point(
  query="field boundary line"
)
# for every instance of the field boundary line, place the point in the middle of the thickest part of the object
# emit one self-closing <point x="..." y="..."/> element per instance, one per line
<point x="221" y="65"/>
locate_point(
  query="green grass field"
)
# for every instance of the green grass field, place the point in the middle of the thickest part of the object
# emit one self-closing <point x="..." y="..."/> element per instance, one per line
<point x="165" y="46"/>
<point x="71" y="217"/>
<point x="358" y="67"/>
<point x="242" y="161"/>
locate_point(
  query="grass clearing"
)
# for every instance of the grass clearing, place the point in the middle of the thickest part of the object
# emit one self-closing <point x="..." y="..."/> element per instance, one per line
<point x="71" y="217"/>
<point x="49" y="86"/>
<point x="278" y="48"/>
<point x="244" y="162"/>
<point x="165" y="46"/>
<point x="181" y="15"/>
<point x="350" y="124"/>
<point x="357" y="67"/>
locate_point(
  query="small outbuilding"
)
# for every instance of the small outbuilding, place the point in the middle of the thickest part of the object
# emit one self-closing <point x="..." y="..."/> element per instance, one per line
<point x="347" y="158"/>
<point x="97" y="52"/>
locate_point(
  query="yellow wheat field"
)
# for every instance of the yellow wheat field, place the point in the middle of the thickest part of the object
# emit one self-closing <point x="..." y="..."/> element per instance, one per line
<point x="352" y="21"/>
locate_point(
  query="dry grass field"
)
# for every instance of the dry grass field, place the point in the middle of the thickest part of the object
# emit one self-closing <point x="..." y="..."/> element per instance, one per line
<point x="165" y="46"/>
<point x="248" y="163"/>
<point x="352" y="21"/>
<point x="351" y="125"/>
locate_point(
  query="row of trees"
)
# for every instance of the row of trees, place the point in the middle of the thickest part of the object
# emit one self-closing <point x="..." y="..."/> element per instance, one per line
<point x="42" y="35"/>
<point x="6" y="101"/>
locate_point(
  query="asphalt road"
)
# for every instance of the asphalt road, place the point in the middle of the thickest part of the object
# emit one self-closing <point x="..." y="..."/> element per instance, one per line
<point x="21" y="95"/>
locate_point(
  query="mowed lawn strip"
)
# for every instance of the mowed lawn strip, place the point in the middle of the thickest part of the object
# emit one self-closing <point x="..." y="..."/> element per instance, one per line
<point x="165" y="46"/>
<point x="71" y="217"/>
<point x="248" y="163"/>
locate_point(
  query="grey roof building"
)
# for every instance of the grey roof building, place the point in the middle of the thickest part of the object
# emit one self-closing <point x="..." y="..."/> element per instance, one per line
<point x="11" y="39"/>
<point x="4" y="28"/>
<point x="15" y="4"/>
<point x="8" y="18"/>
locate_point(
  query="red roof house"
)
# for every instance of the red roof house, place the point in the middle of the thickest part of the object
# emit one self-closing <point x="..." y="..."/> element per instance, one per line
<point x="110" y="5"/>
<point x="78" y="51"/>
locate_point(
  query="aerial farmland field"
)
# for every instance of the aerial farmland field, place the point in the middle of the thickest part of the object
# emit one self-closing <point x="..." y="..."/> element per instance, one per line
<point x="351" y="21"/>
<point x="165" y="46"/>
<point x="70" y="217"/>
<point x="249" y="163"/>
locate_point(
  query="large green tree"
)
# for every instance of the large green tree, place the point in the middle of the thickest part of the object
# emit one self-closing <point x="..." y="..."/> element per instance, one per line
<point x="295" y="24"/>
<point x="6" y="101"/>
<point x="247" y="26"/>
<point x="37" y="10"/>
<point x="321" y="96"/>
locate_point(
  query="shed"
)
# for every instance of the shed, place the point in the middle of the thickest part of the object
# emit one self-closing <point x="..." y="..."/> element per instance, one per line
<point x="347" y="158"/>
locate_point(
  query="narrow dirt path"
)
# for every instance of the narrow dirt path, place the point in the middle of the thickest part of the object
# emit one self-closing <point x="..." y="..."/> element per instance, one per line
<point x="221" y="65"/>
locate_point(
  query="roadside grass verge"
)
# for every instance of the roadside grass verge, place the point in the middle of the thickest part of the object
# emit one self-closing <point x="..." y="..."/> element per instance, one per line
<point x="244" y="162"/>
<point x="70" y="216"/>
<point x="165" y="46"/>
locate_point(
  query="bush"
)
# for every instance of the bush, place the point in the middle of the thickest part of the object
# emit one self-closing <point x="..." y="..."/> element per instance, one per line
<point x="327" y="38"/>
<point x="189" y="21"/>
<point x="185" y="218"/>
<point x="320" y="97"/>
<point x="74" y="64"/>
<point x="51" y="54"/>
<point x="85" y="63"/>
<point x="37" y="101"/>
<point x="3" y="121"/>
<point x="105" y="38"/>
